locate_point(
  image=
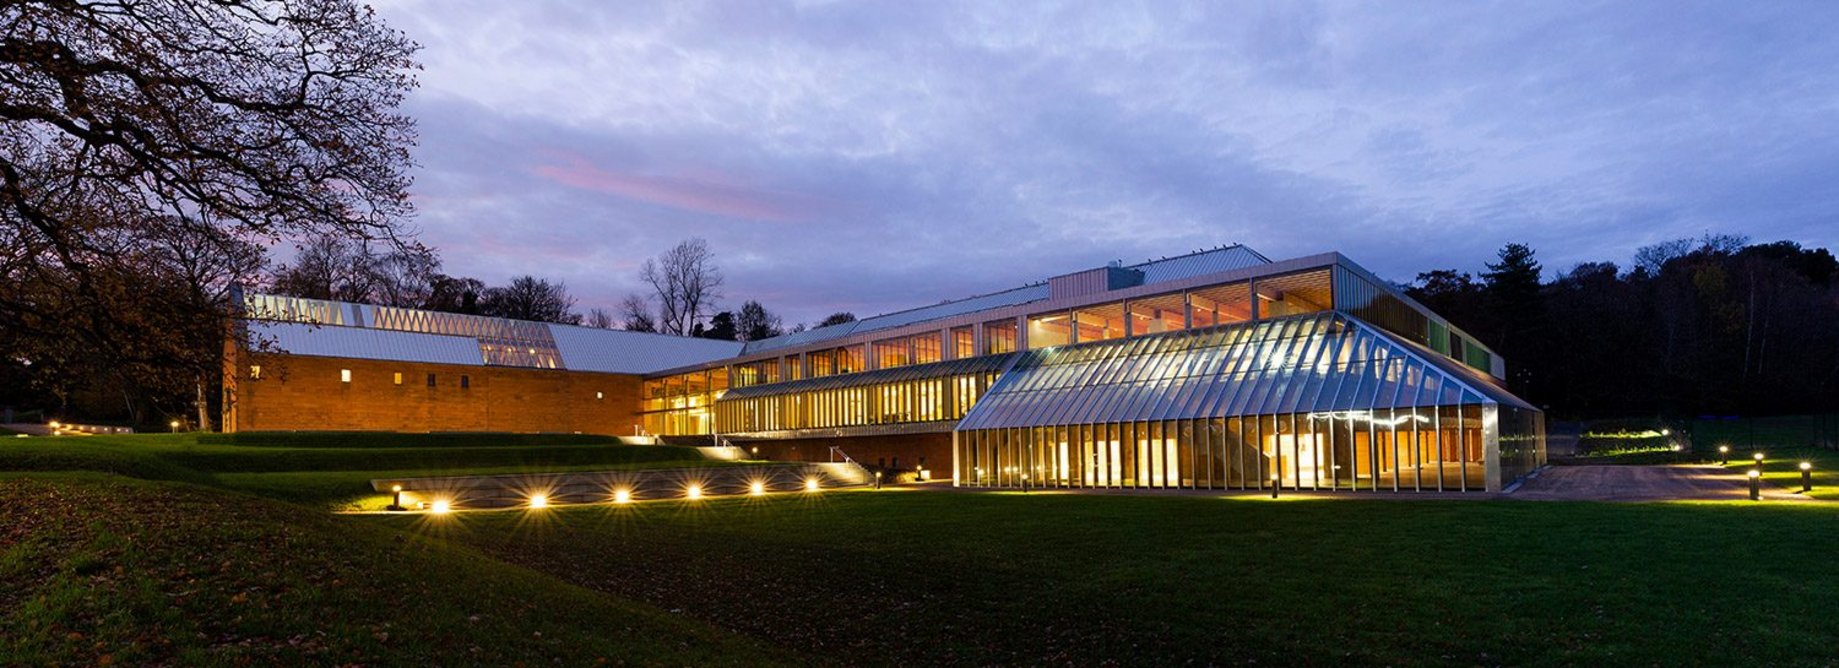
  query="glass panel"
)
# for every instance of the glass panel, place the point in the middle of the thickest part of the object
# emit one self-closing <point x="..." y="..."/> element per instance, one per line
<point x="1050" y="329"/>
<point x="1220" y="305"/>
<point x="1100" y="322"/>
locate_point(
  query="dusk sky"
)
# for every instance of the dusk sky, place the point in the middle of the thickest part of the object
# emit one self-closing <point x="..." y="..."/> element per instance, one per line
<point x="874" y="157"/>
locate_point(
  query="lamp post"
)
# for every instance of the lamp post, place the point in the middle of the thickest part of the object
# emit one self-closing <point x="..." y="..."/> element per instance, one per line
<point x="1806" y="476"/>
<point x="1724" y="455"/>
<point x="1755" y="485"/>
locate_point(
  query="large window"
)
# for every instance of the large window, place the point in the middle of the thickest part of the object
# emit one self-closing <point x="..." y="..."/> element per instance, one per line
<point x="1050" y="329"/>
<point x="829" y="404"/>
<point x="1099" y="322"/>
<point x="756" y="373"/>
<point x="679" y="404"/>
<point x="1158" y="314"/>
<point x="1291" y="294"/>
<point x="893" y="353"/>
<point x="963" y="343"/>
<point x="999" y="336"/>
<point x="1220" y="305"/>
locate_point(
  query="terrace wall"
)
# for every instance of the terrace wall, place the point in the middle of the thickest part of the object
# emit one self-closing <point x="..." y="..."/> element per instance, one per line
<point x="299" y="393"/>
<point x="871" y="451"/>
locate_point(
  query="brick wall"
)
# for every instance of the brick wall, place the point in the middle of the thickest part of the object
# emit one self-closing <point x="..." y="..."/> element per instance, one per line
<point x="297" y="393"/>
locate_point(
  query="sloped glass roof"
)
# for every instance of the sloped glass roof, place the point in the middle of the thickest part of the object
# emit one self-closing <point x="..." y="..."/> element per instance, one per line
<point x="1321" y="362"/>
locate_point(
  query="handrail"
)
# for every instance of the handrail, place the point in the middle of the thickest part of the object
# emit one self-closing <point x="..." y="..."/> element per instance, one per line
<point x="837" y="451"/>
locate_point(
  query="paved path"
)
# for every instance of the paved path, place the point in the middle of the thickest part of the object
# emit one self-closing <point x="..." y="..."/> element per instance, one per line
<point x="1643" y="483"/>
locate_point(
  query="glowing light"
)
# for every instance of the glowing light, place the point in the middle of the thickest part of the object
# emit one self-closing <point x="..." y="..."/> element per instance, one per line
<point x="174" y="424"/>
<point x="539" y="501"/>
<point x="1806" y="466"/>
<point x="757" y="488"/>
<point x="1666" y="432"/>
<point x="622" y="496"/>
<point x="395" y="488"/>
<point x="441" y="507"/>
<point x="693" y="492"/>
<point x="1759" y="458"/>
<point x="1723" y="448"/>
<point x="1755" y="473"/>
<point x="811" y="484"/>
<point x="56" y="425"/>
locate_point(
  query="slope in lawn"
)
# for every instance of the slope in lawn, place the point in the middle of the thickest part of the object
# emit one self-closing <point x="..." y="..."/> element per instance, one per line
<point x="98" y="569"/>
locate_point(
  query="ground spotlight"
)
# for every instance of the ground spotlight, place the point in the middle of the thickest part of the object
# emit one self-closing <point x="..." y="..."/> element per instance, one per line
<point x="440" y="507"/>
<point x="693" y="492"/>
<point x="622" y="495"/>
<point x="757" y="488"/>
<point x="811" y="484"/>
<point x="539" y="501"/>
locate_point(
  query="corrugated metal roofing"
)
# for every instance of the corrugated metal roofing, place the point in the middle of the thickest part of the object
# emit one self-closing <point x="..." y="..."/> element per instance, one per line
<point x="1321" y="362"/>
<point x="1199" y="263"/>
<point x="972" y="365"/>
<point x="361" y="343"/>
<point x="618" y="351"/>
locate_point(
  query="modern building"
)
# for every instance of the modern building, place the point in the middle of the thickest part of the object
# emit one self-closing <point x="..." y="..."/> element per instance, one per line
<point x="1216" y="369"/>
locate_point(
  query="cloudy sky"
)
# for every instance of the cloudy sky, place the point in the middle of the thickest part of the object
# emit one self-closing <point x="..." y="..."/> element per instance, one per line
<point x="872" y="157"/>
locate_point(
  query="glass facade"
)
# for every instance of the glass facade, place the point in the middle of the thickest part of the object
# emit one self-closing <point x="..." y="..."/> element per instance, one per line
<point x="999" y="337"/>
<point x="680" y="404"/>
<point x="1317" y="401"/>
<point x="912" y="394"/>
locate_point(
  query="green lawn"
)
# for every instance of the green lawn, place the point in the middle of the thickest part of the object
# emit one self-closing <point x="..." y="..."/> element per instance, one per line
<point x="318" y="473"/>
<point x="100" y="570"/>
<point x="923" y="578"/>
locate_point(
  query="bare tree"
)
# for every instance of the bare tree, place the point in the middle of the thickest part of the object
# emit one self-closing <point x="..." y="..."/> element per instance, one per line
<point x="636" y="313"/>
<point x="685" y="281"/>
<point x="531" y="298"/>
<point x="206" y="126"/>
<point x="837" y="318"/>
<point x="599" y="318"/>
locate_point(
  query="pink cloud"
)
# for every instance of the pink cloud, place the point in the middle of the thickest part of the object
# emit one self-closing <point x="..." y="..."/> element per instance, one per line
<point x="702" y="196"/>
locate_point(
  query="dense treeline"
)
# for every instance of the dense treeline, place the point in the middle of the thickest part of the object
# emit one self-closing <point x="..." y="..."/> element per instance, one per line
<point x="1695" y="327"/>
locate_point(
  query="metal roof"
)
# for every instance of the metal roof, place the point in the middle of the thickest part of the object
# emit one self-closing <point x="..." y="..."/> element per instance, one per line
<point x="296" y="338"/>
<point x="1198" y="263"/>
<point x="1320" y="362"/>
<point x="619" y="351"/>
<point x="967" y="366"/>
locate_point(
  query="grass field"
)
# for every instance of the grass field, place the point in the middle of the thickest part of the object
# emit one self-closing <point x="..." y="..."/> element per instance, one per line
<point x="101" y="570"/>
<point x="195" y="566"/>
<point x="916" y="577"/>
<point x="318" y="473"/>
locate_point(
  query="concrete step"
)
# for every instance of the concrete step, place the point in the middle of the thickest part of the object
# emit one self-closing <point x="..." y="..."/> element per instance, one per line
<point x="845" y="471"/>
<point x="725" y="453"/>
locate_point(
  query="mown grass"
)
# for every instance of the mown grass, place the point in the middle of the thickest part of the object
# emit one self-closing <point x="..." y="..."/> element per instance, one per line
<point x="101" y="570"/>
<point x="331" y="477"/>
<point x="1005" y="578"/>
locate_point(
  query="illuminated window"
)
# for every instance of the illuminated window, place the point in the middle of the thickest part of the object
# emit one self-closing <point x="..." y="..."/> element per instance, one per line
<point x="430" y="380"/>
<point x="1050" y="329"/>
<point x="1221" y="305"/>
<point x="963" y="343"/>
<point x="465" y="382"/>
<point x="1099" y="322"/>
<point x="1155" y="315"/>
<point x="344" y="375"/>
<point x="398" y="377"/>
<point x="999" y="337"/>
<point x="600" y="395"/>
<point x="255" y="372"/>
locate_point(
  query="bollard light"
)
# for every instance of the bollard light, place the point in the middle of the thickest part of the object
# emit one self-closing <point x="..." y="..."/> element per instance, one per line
<point x="1724" y="454"/>
<point x="1806" y="476"/>
<point x="1274" y="481"/>
<point x="396" y="499"/>
<point x="1758" y="459"/>
<point x="174" y="424"/>
<point x="1024" y="483"/>
<point x="1755" y="485"/>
